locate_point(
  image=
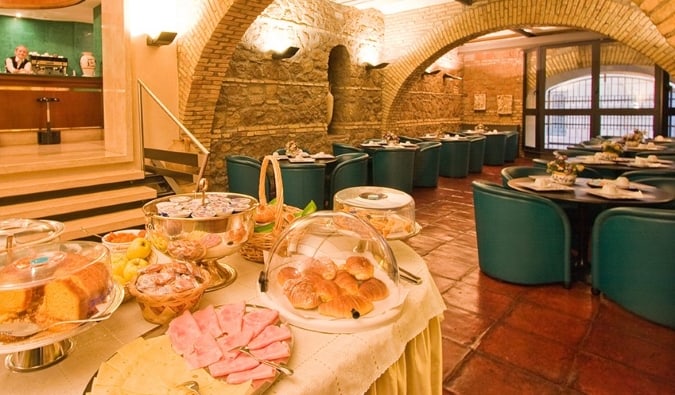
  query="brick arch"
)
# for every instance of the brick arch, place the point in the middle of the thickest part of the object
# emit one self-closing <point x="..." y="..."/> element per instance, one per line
<point x="629" y="25"/>
<point x="204" y="57"/>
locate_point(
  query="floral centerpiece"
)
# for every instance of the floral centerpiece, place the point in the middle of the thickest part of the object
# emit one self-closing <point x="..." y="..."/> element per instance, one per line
<point x="611" y="149"/>
<point x="390" y="138"/>
<point x="292" y="149"/>
<point x="480" y="128"/>
<point x="562" y="171"/>
<point x="634" y="139"/>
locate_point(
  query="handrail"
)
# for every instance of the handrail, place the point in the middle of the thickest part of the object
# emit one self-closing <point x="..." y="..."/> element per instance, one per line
<point x="143" y="87"/>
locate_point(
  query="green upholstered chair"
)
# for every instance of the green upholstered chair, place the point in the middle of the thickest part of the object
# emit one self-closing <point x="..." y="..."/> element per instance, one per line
<point x="409" y="139"/>
<point x="632" y="260"/>
<point x="495" y="149"/>
<point x="393" y="168"/>
<point x="511" y="172"/>
<point x="342" y="148"/>
<point x="511" y="146"/>
<point x="303" y="182"/>
<point x="454" y="160"/>
<point x="476" y="154"/>
<point x="427" y="160"/>
<point x="350" y="170"/>
<point x="665" y="183"/>
<point x="522" y="238"/>
<point x="637" y="175"/>
<point x="243" y="175"/>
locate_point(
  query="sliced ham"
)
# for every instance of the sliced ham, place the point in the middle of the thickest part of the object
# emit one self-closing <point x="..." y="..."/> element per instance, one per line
<point x="208" y="321"/>
<point x="257" y="320"/>
<point x="230" y="316"/>
<point x="229" y="342"/>
<point x="229" y="365"/>
<point x="205" y="352"/>
<point x="269" y="335"/>
<point x="183" y="331"/>
<point x="276" y="350"/>
<point x="258" y="373"/>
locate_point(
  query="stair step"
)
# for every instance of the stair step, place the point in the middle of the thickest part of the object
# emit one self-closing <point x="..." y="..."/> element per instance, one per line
<point x="102" y="224"/>
<point x="80" y="202"/>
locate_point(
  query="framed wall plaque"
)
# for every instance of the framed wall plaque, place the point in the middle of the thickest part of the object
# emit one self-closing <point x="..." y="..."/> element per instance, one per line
<point x="479" y="102"/>
<point x="504" y="104"/>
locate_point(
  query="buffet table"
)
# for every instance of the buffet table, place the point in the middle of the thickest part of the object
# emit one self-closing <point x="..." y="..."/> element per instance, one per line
<point x="403" y="356"/>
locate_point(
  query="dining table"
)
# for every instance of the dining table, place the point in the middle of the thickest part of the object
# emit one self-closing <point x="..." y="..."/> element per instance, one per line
<point x="402" y="355"/>
<point x="590" y="197"/>
<point x="615" y="167"/>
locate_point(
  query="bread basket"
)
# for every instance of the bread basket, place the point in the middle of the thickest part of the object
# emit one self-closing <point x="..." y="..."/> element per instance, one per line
<point x="261" y="241"/>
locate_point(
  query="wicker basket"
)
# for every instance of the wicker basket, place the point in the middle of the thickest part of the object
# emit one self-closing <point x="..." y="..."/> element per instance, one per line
<point x="161" y="309"/>
<point x="257" y="243"/>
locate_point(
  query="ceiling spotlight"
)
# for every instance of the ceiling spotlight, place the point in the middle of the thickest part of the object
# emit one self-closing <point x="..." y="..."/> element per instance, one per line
<point x="163" y="38"/>
<point x="370" y="66"/>
<point x="287" y="53"/>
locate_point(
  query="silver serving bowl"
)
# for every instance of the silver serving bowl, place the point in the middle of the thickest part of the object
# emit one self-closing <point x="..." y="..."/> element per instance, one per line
<point x="201" y="227"/>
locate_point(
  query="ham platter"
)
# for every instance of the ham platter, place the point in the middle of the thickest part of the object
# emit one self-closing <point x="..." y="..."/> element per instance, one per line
<point x="202" y="346"/>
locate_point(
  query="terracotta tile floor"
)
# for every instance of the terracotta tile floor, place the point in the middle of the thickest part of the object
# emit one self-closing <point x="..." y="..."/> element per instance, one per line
<point x="501" y="338"/>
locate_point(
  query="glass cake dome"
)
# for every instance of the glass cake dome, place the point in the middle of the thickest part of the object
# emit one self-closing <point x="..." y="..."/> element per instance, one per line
<point x="332" y="272"/>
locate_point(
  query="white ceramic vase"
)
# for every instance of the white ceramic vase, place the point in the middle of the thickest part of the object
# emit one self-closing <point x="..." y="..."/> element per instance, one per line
<point x="88" y="64"/>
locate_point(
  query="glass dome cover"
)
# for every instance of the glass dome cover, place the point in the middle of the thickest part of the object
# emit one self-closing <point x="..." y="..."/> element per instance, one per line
<point x="21" y="232"/>
<point x="326" y="242"/>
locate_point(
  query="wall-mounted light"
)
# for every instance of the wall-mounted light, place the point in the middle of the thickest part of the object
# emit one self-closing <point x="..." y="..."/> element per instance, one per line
<point x="451" y="76"/>
<point x="162" y="38"/>
<point x="285" y="54"/>
<point x="378" y="66"/>
<point x="433" y="72"/>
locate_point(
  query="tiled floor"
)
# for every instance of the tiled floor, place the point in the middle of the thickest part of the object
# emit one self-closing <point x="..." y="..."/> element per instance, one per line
<point x="501" y="338"/>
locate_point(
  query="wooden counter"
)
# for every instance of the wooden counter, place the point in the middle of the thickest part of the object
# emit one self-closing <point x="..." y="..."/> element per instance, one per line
<point x="80" y="102"/>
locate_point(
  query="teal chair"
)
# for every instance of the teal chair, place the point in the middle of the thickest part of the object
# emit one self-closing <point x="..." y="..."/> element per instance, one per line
<point x="393" y="168"/>
<point x="495" y="149"/>
<point x="454" y="160"/>
<point x="342" y="148"/>
<point x="427" y="160"/>
<point x="303" y="182"/>
<point x="633" y="254"/>
<point x="511" y="146"/>
<point x="243" y="175"/>
<point x="351" y="170"/>
<point x="665" y="183"/>
<point x="409" y="139"/>
<point x="476" y="154"/>
<point x="637" y="175"/>
<point x="511" y="172"/>
<point x="522" y="238"/>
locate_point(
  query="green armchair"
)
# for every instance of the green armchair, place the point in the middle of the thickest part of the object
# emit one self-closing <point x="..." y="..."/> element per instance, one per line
<point x="522" y="238"/>
<point x="427" y="160"/>
<point x="351" y="170"/>
<point x="633" y="263"/>
<point x="243" y="175"/>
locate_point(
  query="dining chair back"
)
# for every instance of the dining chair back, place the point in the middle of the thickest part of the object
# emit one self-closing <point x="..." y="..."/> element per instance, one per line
<point x="342" y="148"/>
<point x="427" y="160"/>
<point x="476" y="154"/>
<point x="637" y="175"/>
<point x="302" y="183"/>
<point x="633" y="254"/>
<point x="511" y="172"/>
<point x="351" y="170"/>
<point x="454" y="158"/>
<point x="409" y="139"/>
<point x="665" y="183"/>
<point x="393" y="168"/>
<point x="511" y="146"/>
<point x="522" y="238"/>
<point x="243" y="175"/>
<point x="495" y="149"/>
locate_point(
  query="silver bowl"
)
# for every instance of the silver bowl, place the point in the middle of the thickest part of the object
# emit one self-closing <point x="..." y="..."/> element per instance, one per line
<point x="202" y="227"/>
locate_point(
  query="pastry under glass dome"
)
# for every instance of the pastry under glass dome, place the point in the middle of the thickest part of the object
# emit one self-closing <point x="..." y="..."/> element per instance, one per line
<point x="330" y="238"/>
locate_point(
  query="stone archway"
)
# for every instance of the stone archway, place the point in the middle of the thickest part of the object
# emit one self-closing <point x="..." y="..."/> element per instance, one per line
<point x="629" y="25"/>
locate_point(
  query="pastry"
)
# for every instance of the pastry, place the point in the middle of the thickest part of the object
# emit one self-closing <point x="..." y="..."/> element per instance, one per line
<point x="347" y="282"/>
<point x="287" y="273"/>
<point x="323" y="266"/>
<point x="346" y="306"/>
<point x="359" y="267"/>
<point x="327" y="290"/>
<point x="302" y="295"/>
<point x="189" y="250"/>
<point x="373" y="289"/>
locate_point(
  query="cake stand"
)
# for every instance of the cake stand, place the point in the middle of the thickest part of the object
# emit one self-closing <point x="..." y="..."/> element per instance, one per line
<point x="47" y="348"/>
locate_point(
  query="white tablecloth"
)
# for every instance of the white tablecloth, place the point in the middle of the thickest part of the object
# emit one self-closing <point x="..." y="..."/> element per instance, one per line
<point x="323" y="363"/>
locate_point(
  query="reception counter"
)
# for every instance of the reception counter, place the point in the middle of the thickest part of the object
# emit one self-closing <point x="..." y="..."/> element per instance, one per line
<point x="403" y="356"/>
<point x="75" y="102"/>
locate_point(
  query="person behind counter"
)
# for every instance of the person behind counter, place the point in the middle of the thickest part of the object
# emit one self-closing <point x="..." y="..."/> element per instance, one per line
<point x="19" y="63"/>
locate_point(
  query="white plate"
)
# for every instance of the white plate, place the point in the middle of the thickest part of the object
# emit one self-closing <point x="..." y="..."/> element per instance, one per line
<point x="322" y="156"/>
<point x="552" y="187"/>
<point x="649" y="165"/>
<point x="301" y="160"/>
<point x="619" y="195"/>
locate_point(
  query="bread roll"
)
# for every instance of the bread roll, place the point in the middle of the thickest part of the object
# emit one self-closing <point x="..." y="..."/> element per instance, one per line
<point x="346" y="306"/>
<point x="327" y="290"/>
<point x="323" y="266"/>
<point x="373" y="289"/>
<point x="347" y="282"/>
<point x="287" y="273"/>
<point x="302" y="294"/>
<point x="359" y="267"/>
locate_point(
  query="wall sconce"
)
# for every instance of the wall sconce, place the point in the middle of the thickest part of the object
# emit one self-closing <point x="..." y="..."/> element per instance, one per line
<point x="285" y="54"/>
<point x="434" y="72"/>
<point x="370" y="66"/>
<point x="163" y="38"/>
<point x="451" y="76"/>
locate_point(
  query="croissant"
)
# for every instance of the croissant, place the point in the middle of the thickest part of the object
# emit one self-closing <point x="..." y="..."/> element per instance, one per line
<point x="359" y="267"/>
<point x="323" y="266"/>
<point x="346" y="306"/>
<point x="287" y="273"/>
<point x="373" y="289"/>
<point x="347" y="282"/>
<point x="302" y="295"/>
